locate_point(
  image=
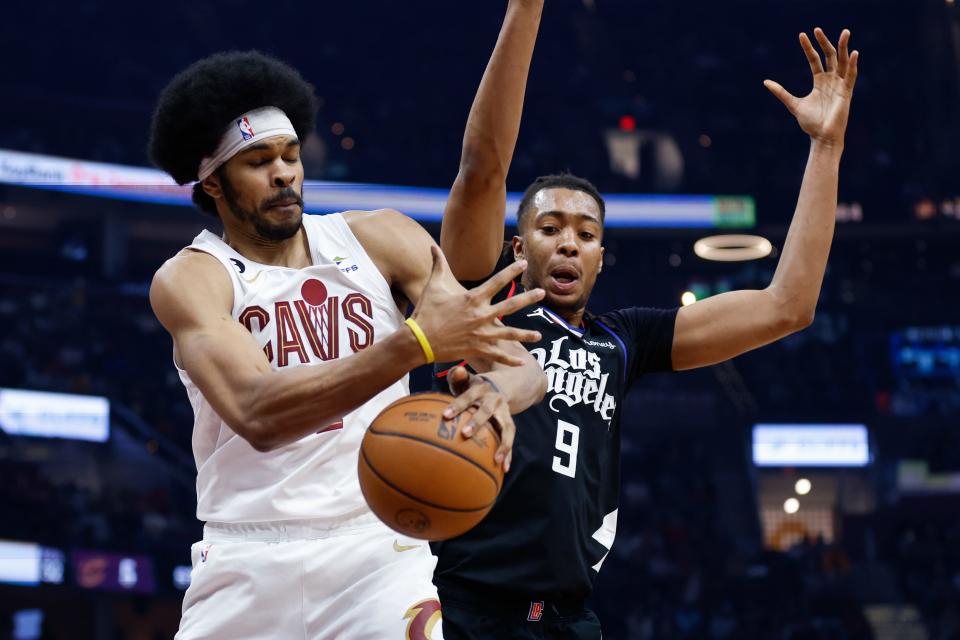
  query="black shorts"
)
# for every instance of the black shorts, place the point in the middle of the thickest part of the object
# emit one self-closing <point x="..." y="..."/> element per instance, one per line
<point x="468" y="618"/>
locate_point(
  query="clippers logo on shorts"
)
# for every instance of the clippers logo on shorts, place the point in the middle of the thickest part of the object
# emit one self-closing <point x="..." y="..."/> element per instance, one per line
<point x="245" y="129"/>
<point x="314" y="328"/>
<point x="423" y="617"/>
<point x="536" y="611"/>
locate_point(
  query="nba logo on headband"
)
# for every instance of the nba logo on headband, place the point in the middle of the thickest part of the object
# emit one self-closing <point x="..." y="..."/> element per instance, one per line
<point x="245" y="129"/>
<point x="270" y="122"/>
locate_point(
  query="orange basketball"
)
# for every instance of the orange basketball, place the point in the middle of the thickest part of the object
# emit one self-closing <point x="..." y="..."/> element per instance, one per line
<point x="421" y="476"/>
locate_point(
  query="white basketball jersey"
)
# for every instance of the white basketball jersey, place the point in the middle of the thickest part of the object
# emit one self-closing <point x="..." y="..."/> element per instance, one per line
<point x="300" y="317"/>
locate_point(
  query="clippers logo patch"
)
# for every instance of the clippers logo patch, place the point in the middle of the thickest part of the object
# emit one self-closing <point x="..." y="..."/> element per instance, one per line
<point x="536" y="611"/>
<point x="245" y="129"/>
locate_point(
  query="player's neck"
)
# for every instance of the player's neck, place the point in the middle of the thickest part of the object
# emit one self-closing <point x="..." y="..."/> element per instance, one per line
<point x="571" y="317"/>
<point x="293" y="252"/>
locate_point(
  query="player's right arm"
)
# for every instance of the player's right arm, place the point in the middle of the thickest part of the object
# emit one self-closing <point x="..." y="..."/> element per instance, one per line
<point x="471" y="234"/>
<point x="192" y="297"/>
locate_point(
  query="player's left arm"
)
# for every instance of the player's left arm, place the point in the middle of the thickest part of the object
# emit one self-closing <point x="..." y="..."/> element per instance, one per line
<point x="726" y="325"/>
<point x="401" y="248"/>
<point x="471" y="234"/>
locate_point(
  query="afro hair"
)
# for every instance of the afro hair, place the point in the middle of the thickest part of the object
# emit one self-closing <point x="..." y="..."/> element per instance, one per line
<point x="196" y="106"/>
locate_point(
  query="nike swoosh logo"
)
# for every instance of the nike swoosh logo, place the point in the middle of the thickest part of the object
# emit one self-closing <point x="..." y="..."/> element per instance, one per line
<point x="399" y="548"/>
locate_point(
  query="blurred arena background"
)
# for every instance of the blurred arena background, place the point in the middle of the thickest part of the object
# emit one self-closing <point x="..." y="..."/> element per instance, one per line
<point x="846" y="524"/>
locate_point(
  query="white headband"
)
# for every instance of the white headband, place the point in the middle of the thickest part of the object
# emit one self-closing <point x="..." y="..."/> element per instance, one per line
<point x="244" y="131"/>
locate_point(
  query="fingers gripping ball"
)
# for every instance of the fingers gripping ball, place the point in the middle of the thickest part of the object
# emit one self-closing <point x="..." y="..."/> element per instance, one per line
<point x="421" y="476"/>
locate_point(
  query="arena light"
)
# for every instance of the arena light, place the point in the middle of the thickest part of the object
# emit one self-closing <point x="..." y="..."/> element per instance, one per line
<point x="29" y="564"/>
<point x="732" y="247"/>
<point x="811" y="445"/>
<point x="803" y="487"/>
<point x="54" y="415"/>
<point x="791" y="505"/>
<point x="688" y="298"/>
<point x="181" y="576"/>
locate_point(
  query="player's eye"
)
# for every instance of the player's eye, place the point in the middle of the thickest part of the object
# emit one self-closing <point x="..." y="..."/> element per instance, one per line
<point x="548" y="229"/>
<point x="586" y="235"/>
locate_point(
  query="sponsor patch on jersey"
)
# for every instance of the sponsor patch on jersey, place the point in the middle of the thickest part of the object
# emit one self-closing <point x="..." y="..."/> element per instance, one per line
<point x="536" y="611"/>
<point x="245" y="129"/>
<point x="605" y="345"/>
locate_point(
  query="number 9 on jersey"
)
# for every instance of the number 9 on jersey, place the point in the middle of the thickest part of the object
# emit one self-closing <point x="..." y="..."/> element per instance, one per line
<point x="568" y="440"/>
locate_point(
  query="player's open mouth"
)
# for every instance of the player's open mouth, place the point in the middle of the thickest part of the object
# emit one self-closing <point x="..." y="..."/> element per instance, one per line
<point x="564" y="279"/>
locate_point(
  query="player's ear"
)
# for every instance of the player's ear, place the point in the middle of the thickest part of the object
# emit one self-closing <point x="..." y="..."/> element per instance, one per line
<point x="600" y="267"/>
<point x="517" y="243"/>
<point x="211" y="185"/>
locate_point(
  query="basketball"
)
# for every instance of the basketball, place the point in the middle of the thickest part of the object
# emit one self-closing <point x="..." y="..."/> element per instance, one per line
<point x="421" y="476"/>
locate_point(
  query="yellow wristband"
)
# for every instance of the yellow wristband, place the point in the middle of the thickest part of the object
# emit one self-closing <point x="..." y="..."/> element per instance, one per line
<point x="421" y="338"/>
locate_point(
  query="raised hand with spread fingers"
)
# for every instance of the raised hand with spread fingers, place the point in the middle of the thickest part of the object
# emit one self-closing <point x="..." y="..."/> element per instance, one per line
<point x="823" y="112"/>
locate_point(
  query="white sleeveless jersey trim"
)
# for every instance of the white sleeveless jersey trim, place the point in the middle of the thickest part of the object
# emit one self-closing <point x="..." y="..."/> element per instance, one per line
<point x="329" y="310"/>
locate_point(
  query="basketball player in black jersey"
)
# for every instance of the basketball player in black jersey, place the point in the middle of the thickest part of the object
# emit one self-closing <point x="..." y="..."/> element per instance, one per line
<point x="527" y="569"/>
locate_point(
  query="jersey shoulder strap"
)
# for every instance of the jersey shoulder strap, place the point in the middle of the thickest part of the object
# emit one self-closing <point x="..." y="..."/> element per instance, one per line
<point x="235" y="264"/>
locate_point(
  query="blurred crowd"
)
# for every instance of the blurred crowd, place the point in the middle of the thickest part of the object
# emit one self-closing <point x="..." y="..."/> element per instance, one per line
<point x="68" y="515"/>
<point x="926" y="553"/>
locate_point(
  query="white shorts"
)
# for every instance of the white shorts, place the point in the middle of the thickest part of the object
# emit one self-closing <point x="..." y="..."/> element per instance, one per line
<point x="309" y="580"/>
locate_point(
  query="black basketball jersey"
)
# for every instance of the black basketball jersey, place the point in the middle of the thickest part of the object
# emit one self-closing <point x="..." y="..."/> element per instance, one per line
<point x="555" y="519"/>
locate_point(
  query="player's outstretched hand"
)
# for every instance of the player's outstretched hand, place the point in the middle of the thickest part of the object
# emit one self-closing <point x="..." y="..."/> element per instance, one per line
<point x="823" y="113"/>
<point x="491" y="407"/>
<point x="463" y="324"/>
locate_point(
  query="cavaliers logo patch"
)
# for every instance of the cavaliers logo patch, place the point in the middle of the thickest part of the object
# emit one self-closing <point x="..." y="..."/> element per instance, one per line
<point x="423" y="617"/>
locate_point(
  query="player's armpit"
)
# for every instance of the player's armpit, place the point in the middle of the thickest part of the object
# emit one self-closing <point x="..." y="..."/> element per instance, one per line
<point x="729" y="324"/>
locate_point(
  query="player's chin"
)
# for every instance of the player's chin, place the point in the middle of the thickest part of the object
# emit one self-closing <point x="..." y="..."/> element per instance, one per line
<point x="272" y="227"/>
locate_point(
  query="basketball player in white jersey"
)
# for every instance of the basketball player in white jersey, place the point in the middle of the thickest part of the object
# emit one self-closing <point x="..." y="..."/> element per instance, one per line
<point x="288" y="336"/>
